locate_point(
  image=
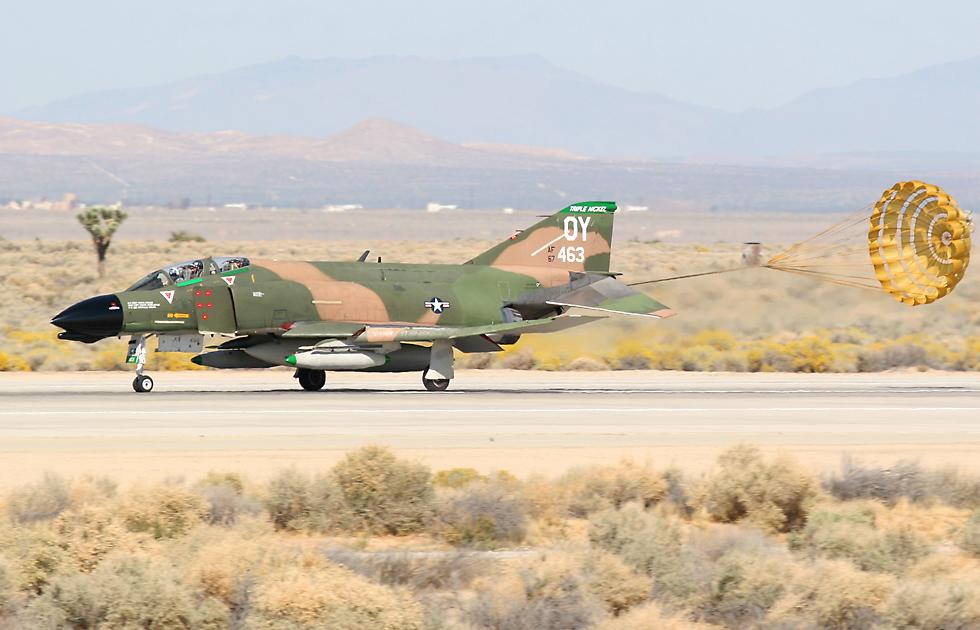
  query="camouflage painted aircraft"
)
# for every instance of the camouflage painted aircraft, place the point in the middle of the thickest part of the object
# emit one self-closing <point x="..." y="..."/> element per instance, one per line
<point x="372" y="317"/>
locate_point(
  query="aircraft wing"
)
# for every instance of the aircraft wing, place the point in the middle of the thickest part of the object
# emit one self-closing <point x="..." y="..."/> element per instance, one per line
<point x="466" y="338"/>
<point x="380" y="333"/>
<point x="612" y="296"/>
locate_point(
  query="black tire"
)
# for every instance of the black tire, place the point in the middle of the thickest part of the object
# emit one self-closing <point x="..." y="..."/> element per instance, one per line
<point x="143" y="384"/>
<point x="311" y="380"/>
<point x="436" y="384"/>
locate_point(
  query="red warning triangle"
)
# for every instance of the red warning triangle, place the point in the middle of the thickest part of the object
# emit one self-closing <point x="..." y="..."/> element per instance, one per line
<point x="168" y="296"/>
<point x="229" y="280"/>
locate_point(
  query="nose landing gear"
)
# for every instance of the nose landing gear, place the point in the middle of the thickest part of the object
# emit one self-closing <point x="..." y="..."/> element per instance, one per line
<point x="137" y="354"/>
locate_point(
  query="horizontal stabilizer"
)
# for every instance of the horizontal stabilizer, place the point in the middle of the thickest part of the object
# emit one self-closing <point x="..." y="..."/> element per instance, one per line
<point x="612" y="296"/>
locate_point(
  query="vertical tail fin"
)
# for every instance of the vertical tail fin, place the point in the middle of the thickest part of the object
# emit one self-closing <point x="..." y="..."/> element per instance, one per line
<point x="577" y="238"/>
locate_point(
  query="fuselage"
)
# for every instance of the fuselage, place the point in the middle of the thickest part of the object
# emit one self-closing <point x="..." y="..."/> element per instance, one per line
<point x="268" y="294"/>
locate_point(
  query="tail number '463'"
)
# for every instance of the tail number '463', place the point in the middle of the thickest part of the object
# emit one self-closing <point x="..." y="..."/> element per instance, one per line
<point x="571" y="254"/>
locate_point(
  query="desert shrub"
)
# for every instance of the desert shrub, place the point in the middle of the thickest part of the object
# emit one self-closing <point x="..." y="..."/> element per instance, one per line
<point x="522" y="359"/>
<point x="545" y="593"/>
<point x="743" y="588"/>
<point x="649" y="616"/>
<point x="598" y="488"/>
<point x="8" y="587"/>
<point x="675" y="492"/>
<point x="631" y="355"/>
<point x="422" y="571"/>
<point x="125" y="591"/>
<point x="163" y="511"/>
<point x="649" y="544"/>
<point x="585" y="364"/>
<point x="225" y="494"/>
<point x="13" y="363"/>
<point x="878" y="357"/>
<point x="456" y="477"/>
<point x="849" y="533"/>
<point x="37" y="555"/>
<point x="226" y="506"/>
<point x="905" y="479"/>
<point x="88" y="534"/>
<point x="774" y="496"/>
<point x="729" y="575"/>
<point x="482" y="515"/>
<point x="181" y="236"/>
<point x="227" y="479"/>
<point x="383" y="494"/>
<point x="39" y="501"/>
<point x="834" y="594"/>
<point x="329" y="596"/>
<point x="613" y="583"/>
<point x="933" y="604"/>
<point x="220" y="568"/>
<point x="289" y="500"/>
<point x="954" y="487"/>
<point x="970" y="536"/>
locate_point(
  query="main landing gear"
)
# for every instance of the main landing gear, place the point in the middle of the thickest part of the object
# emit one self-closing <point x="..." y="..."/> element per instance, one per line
<point x="435" y="384"/>
<point x="440" y="372"/>
<point x="137" y="354"/>
<point x="311" y="380"/>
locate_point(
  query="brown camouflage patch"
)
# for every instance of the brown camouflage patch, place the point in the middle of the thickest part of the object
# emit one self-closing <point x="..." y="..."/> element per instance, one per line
<point x="335" y="300"/>
<point x="347" y="302"/>
<point x="297" y="271"/>
<point x="428" y="317"/>
<point x="540" y="249"/>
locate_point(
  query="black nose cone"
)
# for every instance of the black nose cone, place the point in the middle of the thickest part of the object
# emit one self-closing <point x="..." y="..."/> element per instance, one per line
<point x="92" y="319"/>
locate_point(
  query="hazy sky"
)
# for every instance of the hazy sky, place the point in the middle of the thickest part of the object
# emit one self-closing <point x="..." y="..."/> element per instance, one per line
<point x="730" y="55"/>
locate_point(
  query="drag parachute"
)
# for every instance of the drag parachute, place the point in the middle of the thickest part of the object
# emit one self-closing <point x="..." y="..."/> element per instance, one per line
<point x="915" y="245"/>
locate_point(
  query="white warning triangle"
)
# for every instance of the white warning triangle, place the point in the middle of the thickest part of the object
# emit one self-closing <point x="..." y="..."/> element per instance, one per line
<point x="168" y="296"/>
<point x="229" y="280"/>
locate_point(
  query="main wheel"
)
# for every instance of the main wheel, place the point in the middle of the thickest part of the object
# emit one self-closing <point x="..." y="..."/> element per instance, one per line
<point x="143" y="384"/>
<point x="435" y="384"/>
<point x="312" y="380"/>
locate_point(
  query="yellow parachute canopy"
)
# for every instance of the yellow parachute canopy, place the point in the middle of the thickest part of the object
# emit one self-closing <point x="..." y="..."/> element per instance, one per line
<point x="915" y="245"/>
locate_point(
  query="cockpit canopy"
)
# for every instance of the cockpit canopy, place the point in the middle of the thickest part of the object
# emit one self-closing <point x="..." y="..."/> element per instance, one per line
<point x="189" y="270"/>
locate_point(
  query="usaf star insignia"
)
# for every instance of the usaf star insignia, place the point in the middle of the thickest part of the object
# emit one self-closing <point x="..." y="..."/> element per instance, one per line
<point x="436" y="305"/>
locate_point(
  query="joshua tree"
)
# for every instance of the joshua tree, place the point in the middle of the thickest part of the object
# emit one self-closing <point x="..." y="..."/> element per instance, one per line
<point x="101" y="224"/>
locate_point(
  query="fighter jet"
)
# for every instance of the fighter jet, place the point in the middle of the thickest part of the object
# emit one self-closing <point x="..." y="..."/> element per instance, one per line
<point x="318" y="317"/>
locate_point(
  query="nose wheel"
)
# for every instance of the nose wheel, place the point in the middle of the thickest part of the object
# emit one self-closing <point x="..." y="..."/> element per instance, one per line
<point x="143" y="384"/>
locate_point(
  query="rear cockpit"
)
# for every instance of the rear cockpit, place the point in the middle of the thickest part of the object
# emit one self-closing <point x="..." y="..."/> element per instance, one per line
<point x="190" y="270"/>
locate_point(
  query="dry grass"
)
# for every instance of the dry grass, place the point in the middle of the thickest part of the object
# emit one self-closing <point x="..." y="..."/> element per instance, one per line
<point x="757" y="320"/>
<point x="78" y="553"/>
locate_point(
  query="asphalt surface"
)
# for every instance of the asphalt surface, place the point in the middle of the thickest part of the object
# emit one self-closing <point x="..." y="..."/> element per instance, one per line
<point x="522" y="421"/>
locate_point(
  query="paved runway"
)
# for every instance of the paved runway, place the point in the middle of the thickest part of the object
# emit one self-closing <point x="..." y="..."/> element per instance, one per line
<point x="522" y="421"/>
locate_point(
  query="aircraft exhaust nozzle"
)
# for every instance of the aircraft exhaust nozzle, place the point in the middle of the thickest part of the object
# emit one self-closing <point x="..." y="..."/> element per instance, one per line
<point x="314" y="360"/>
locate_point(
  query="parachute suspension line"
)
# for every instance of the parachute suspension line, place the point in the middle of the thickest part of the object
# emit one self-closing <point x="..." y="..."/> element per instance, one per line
<point x="690" y="275"/>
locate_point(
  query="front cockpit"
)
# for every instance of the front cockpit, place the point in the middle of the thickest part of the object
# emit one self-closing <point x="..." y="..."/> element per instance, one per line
<point x="179" y="273"/>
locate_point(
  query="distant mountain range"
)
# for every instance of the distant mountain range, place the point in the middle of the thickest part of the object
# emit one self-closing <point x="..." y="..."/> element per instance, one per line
<point x="930" y="114"/>
<point x="380" y="163"/>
